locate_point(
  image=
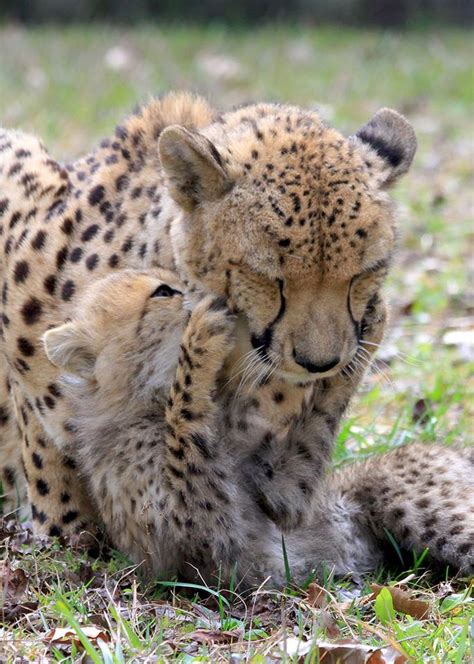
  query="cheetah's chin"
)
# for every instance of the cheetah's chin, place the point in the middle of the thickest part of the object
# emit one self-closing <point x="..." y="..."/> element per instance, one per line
<point x="304" y="378"/>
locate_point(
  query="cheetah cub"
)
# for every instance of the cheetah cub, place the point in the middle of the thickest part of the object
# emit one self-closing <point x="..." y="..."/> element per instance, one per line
<point x="135" y="361"/>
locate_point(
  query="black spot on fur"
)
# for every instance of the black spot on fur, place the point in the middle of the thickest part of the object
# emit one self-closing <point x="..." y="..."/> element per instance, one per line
<point x="39" y="240"/>
<point x="70" y="516"/>
<point x="31" y="311"/>
<point x="61" y="257"/>
<point x="50" y="284"/>
<point x="54" y="390"/>
<point x="38" y="515"/>
<point x="4" y="204"/>
<point x="96" y="195"/>
<point x="42" y="487"/>
<point x="9" y="476"/>
<point x="49" y="402"/>
<point x="90" y="232"/>
<point x="37" y="460"/>
<point x="92" y="261"/>
<point x="67" y="290"/>
<point x="76" y="255"/>
<point x="122" y="182"/>
<point x="21" y="272"/>
<point x="4" y="417"/>
<point x="25" y="347"/>
<point x="67" y="226"/>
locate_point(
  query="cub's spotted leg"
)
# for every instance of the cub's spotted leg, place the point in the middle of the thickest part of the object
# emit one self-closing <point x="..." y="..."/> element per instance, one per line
<point x="201" y="494"/>
<point x="284" y="472"/>
<point x="59" y="504"/>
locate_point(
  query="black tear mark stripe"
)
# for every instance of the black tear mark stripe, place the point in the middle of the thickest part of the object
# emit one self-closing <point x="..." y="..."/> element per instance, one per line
<point x="263" y="341"/>
<point x="355" y="323"/>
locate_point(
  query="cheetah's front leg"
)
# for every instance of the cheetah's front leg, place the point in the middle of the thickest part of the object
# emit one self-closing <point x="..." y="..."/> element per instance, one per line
<point x="284" y="473"/>
<point x="202" y="495"/>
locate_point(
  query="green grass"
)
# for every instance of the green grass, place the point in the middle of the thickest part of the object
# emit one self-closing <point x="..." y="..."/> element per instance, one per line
<point x="71" y="87"/>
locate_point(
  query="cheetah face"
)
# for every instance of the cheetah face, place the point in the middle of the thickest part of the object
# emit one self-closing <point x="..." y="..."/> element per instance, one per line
<point x="125" y="335"/>
<point x="292" y="223"/>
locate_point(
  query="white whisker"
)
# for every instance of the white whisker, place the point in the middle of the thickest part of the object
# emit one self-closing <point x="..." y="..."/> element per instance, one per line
<point x="246" y="360"/>
<point x="403" y="357"/>
<point x="252" y="367"/>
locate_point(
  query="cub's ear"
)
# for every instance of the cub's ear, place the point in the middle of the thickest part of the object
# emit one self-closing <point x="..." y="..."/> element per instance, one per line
<point x="391" y="137"/>
<point x="193" y="165"/>
<point x="67" y="348"/>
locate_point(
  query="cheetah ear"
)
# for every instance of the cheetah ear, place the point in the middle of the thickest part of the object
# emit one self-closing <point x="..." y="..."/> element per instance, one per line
<point x="67" y="348"/>
<point x="392" y="139"/>
<point x="194" y="167"/>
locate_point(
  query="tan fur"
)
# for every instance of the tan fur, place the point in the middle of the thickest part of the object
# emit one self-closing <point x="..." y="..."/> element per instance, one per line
<point x="265" y="206"/>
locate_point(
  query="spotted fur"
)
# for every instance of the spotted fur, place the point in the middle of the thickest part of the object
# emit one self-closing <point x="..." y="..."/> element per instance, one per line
<point x="265" y="206"/>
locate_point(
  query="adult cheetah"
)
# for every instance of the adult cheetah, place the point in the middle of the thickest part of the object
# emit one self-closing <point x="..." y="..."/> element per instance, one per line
<point x="266" y="206"/>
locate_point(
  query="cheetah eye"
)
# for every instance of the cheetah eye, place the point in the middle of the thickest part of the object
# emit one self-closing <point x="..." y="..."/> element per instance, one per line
<point x="165" y="291"/>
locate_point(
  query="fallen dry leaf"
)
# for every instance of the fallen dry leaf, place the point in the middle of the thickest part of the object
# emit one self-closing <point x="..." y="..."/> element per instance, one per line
<point x="317" y="596"/>
<point x="13" y="581"/>
<point x="403" y="602"/>
<point x="67" y="636"/>
<point x="264" y="606"/>
<point x="14" y="584"/>
<point x="214" y="636"/>
<point x="329" y="625"/>
<point x="343" y="652"/>
<point x="12" y="613"/>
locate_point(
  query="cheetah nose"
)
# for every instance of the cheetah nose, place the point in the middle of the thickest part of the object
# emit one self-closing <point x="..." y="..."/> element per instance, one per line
<point x="315" y="368"/>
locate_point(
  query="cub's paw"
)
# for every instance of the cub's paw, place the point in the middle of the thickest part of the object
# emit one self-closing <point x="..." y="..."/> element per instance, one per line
<point x="286" y="509"/>
<point x="283" y="515"/>
<point x="210" y="332"/>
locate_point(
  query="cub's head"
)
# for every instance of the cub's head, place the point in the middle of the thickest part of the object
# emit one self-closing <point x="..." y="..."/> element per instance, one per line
<point x="125" y="334"/>
<point x="292" y="222"/>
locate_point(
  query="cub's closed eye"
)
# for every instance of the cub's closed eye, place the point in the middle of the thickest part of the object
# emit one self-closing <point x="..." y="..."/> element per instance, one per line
<point x="165" y="291"/>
